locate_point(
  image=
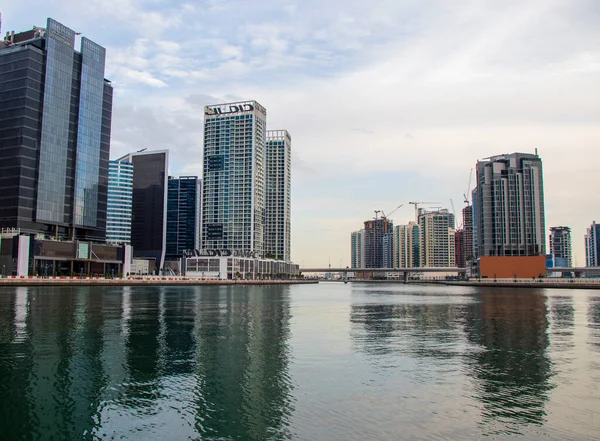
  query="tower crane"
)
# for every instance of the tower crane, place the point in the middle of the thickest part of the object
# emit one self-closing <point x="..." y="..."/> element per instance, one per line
<point x="466" y="195"/>
<point x="384" y="216"/>
<point x="416" y="204"/>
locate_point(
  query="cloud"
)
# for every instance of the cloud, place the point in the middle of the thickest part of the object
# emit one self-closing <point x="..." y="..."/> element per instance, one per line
<point x="386" y="101"/>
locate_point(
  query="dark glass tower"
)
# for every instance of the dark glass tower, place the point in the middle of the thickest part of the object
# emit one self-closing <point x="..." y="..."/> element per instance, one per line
<point x="55" y="117"/>
<point x="183" y="215"/>
<point x="149" y="205"/>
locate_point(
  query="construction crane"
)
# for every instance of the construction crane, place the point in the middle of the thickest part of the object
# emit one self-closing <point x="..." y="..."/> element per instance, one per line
<point x="416" y="204"/>
<point x="376" y="213"/>
<point x="384" y="216"/>
<point x="466" y="194"/>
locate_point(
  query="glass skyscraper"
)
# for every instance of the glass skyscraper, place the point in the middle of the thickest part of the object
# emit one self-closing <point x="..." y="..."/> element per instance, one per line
<point x="120" y="196"/>
<point x="278" y="198"/>
<point x="149" y="205"/>
<point x="508" y="206"/>
<point x="183" y="215"/>
<point x="55" y="117"/>
<point x="233" y="180"/>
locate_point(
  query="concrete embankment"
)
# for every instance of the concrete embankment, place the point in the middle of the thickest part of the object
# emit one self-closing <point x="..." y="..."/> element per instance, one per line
<point x="538" y="283"/>
<point x="145" y="281"/>
<point x="530" y="284"/>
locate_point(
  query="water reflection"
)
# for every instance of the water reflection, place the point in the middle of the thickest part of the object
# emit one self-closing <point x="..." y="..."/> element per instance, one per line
<point x="165" y="363"/>
<point x="512" y="371"/>
<point x="419" y="327"/>
<point x="497" y="341"/>
<point x="593" y="316"/>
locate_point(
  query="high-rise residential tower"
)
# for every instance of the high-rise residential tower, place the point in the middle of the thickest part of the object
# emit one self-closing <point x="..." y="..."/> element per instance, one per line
<point x="508" y="206"/>
<point x="406" y="246"/>
<point x="560" y="246"/>
<point x="375" y="230"/>
<point x="233" y="180"/>
<point x="436" y="238"/>
<point x="278" y="165"/>
<point x="183" y="215"/>
<point x="149" y="205"/>
<point x="592" y="245"/>
<point x="120" y="200"/>
<point x="358" y="249"/>
<point x="55" y="118"/>
<point x="466" y="240"/>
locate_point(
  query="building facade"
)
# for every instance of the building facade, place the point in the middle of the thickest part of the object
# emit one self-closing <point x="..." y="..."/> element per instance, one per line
<point x="149" y="205"/>
<point x="358" y="249"/>
<point x="436" y="238"/>
<point x="278" y="166"/>
<point x="560" y="246"/>
<point x="466" y="239"/>
<point x="120" y="199"/>
<point x="406" y="246"/>
<point x="459" y="257"/>
<point x="509" y="206"/>
<point x="375" y="230"/>
<point x="233" y="179"/>
<point x="592" y="245"/>
<point x="183" y="215"/>
<point x="55" y="119"/>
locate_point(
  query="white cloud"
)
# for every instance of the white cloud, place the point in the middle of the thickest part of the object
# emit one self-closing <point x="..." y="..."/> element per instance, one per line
<point x="404" y="94"/>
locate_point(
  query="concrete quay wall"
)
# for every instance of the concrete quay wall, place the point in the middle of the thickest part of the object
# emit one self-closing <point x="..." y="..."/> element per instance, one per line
<point x="145" y="281"/>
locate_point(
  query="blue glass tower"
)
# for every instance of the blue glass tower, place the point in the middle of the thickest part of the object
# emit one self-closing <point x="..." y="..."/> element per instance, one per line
<point x="55" y="116"/>
<point x="120" y="195"/>
<point x="183" y="215"/>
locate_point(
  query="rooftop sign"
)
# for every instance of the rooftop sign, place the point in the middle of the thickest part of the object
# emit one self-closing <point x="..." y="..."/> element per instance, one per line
<point x="228" y="108"/>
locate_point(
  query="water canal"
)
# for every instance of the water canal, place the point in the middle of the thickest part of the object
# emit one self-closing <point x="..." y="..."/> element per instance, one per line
<point x="306" y="362"/>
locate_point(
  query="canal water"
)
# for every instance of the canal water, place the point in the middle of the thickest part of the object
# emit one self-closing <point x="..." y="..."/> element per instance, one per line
<point x="306" y="362"/>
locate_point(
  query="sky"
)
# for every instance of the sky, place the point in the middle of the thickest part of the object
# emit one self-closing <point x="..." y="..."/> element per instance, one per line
<point x="387" y="101"/>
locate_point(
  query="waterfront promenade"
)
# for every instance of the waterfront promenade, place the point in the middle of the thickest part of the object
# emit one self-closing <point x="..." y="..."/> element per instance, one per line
<point x="139" y="281"/>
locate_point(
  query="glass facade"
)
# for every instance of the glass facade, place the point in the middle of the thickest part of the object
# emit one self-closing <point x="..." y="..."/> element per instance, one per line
<point x="149" y="204"/>
<point x="89" y="133"/>
<point x="54" y="141"/>
<point x="21" y="93"/>
<point x="120" y="196"/>
<point x="183" y="215"/>
<point x="55" y="134"/>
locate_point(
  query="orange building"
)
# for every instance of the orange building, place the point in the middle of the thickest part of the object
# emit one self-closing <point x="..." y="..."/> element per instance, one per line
<point x="507" y="267"/>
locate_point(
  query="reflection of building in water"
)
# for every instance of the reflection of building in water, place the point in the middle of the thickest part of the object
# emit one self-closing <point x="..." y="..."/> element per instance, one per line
<point x="513" y="371"/>
<point x="594" y="322"/>
<point x="15" y="405"/>
<point x="98" y="360"/>
<point x="243" y="359"/>
<point x="57" y="380"/>
<point x="406" y="329"/>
